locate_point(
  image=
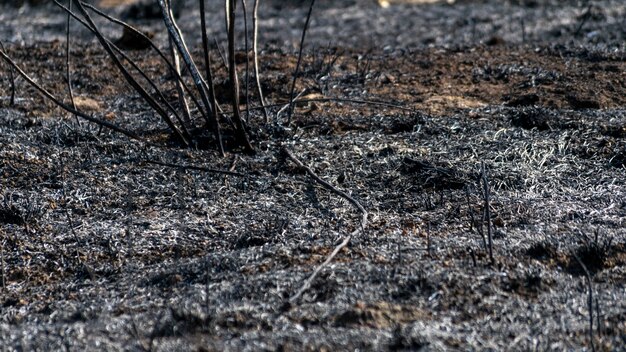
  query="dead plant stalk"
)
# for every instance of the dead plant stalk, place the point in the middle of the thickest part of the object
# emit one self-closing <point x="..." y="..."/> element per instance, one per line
<point x="589" y="300"/>
<point x="240" y="129"/>
<point x="346" y="239"/>
<point x="295" y="74"/>
<point x="487" y="211"/>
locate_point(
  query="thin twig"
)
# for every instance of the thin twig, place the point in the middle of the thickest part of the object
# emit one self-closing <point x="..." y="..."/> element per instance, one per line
<point x="247" y="83"/>
<point x="11" y="78"/>
<point x="197" y="168"/>
<point x="285" y="107"/>
<point x="4" y="273"/>
<point x="240" y="130"/>
<point x="339" y="100"/>
<point x="130" y="79"/>
<point x="255" y="54"/>
<point x="221" y="52"/>
<point x="584" y="19"/>
<point x="295" y="74"/>
<point x="67" y="60"/>
<point x="487" y="211"/>
<point x="65" y="106"/>
<point x="182" y="100"/>
<point x="154" y="47"/>
<point x="473" y="222"/>
<point x="346" y="239"/>
<point x="207" y="63"/>
<point x="590" y="299"/>
<point x="175" y="34"/>
<point x="86" y="266"/>
<point x="136" y="67"/>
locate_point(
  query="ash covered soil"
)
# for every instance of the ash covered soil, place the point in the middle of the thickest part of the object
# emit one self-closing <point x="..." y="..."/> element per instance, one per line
<point x="102" y="249"/>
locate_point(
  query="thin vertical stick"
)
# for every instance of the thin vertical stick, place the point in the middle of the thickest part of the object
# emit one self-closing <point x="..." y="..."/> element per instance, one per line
<point x="589" y="300"/>
<point x="240" y="129"/>
<point x="176" y="36"/>
<point x="182" y="100"/>
<point x="129" y="78"/>
<point x="227" y="18"/>
<point x="245" y="29"/>
<point x="428" y="249"/>
<point x="221" y="52"/>
<point x="295" y="74"/>
<point x="255" y="53"/>
<point x="487" y="210"/>
<point x="4" y="273"/>
<point x="67" y="60"/>
<point x="11" y="78"/>
<point x="156" y="48"/>
<point x="207" y="62"/>
<point x="473" y="220"/>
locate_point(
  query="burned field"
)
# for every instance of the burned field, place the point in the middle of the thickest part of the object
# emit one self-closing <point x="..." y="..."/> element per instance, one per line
<point x="485" y="141"/>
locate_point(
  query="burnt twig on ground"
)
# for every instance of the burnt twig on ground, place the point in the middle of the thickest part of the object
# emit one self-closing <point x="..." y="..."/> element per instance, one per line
<point x="338" y="100"/>
<point x="198" y="168"/>
<point x="346" y="239"/>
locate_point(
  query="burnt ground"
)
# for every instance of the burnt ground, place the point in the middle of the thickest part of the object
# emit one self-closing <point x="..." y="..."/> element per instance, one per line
<point x="103" y="250"/>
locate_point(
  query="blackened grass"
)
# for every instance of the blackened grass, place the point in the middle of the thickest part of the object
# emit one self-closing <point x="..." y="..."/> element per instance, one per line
<point x="346" y="239"/>
<point x="589" y="300"/>
<point x="340" y="100"/>
<point x="197" y="168"/>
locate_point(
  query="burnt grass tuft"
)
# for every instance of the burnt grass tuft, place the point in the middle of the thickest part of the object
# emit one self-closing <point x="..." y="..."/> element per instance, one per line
<point x="108" y="243"/>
